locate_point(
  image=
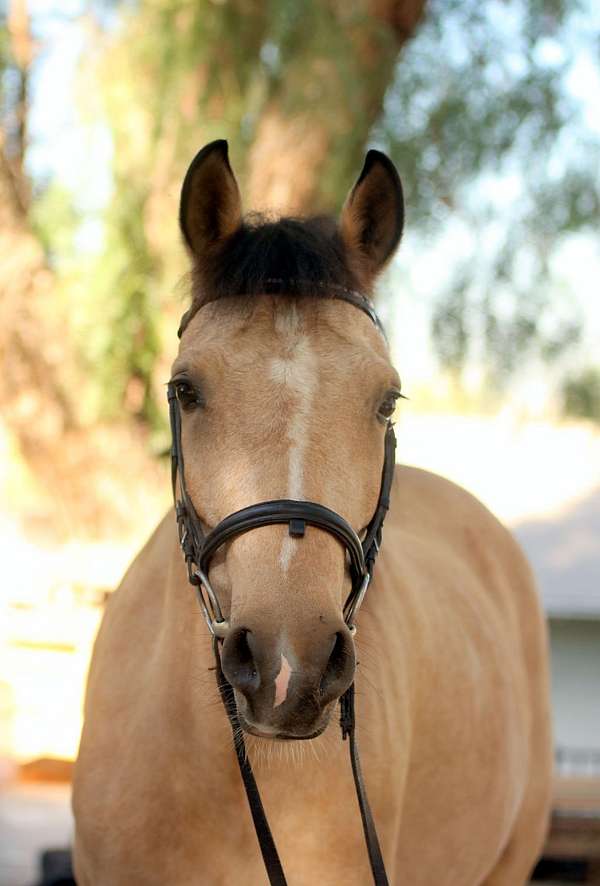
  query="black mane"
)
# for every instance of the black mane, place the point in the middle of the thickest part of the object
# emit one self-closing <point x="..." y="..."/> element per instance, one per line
<point x="288" y="256"/>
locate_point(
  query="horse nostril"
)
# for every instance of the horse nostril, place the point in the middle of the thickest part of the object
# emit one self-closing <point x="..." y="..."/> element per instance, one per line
<point x="237" y="661"/>
<point x="339" y="670"/>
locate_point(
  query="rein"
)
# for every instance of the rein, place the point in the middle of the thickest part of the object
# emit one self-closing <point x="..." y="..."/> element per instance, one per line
<point x="198" y="549"/>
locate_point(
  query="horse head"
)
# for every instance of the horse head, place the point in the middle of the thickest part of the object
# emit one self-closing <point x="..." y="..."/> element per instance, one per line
<point x="282" y="395"/>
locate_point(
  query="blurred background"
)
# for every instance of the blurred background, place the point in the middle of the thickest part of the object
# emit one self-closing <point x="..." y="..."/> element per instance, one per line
<point x="489" y="109"/>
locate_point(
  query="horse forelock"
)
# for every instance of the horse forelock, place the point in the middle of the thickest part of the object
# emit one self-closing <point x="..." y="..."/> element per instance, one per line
<point x="285" y="256"/>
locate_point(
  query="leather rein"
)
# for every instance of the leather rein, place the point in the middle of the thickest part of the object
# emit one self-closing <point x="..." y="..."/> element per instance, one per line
<point x="198" y="549"/>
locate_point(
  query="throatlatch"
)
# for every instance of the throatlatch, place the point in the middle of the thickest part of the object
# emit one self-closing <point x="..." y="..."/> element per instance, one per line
<point x="198" y="549"/>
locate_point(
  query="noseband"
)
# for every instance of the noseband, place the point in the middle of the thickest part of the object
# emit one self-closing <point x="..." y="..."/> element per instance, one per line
<point x="199" y="548"/>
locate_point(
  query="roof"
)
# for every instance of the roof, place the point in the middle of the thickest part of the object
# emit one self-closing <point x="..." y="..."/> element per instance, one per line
<point x="564" y="551"/>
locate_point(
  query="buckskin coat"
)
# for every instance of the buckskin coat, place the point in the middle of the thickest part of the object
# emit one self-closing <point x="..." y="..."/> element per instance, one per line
<point x="287" y="394"/>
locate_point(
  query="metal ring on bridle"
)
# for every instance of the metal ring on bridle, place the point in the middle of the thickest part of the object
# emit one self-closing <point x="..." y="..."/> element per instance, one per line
<point x="217" y="625"/>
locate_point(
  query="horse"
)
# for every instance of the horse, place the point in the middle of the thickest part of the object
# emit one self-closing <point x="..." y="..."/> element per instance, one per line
<point x="285" y="391"/>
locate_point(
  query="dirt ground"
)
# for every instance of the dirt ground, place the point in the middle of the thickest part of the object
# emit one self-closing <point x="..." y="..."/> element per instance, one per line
<point x="32" y="818"/>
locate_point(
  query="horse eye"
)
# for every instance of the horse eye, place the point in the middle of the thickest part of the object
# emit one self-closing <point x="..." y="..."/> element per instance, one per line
<point x="388" y="405"/>
<point x="187" y="396"/>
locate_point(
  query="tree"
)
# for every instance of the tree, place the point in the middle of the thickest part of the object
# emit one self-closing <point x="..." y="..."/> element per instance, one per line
<point x="296" y="88"/>
<point x="476" y="103"/>
<point x="472" y="103"/>
<point x="581" y="394"/>
<point x="31" y="333"/>
<point x="492" y="139"/>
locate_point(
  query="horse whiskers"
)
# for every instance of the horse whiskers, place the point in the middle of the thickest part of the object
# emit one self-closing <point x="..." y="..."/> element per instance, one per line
<point x="265" y="754"/>
<point x="375" y="689"/>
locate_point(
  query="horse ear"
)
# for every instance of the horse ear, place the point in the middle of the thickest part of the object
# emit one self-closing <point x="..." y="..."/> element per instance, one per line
<point x="210" y="209"/>
<point x="373" y="215"/>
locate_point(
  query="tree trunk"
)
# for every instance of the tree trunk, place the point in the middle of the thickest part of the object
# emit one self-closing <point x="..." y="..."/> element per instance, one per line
<point x="32" y="337"/>
<point x="312" y="133"/>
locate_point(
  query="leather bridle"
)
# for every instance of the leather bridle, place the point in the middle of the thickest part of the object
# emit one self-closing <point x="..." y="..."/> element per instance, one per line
<point x="199" y="548"/>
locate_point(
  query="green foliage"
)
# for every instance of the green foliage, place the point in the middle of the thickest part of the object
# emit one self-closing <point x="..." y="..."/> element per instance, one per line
<point x="450" y="326"/>
<point x="120" y="342"/>
<point x="4" y="43"/>
<point x="489" y="140"/>
<point x="173" y="76"/>
<point x="581" y="395"/>
<point x="492" y="143"/>
<point x="54" y="220"/>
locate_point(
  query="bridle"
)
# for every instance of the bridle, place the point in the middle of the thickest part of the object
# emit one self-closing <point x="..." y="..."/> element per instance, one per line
<point x="199" y="548"/>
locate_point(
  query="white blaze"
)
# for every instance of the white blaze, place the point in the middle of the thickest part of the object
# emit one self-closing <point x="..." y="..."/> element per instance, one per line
<point x="299" y="374"/>
<point x="282" y="681"/>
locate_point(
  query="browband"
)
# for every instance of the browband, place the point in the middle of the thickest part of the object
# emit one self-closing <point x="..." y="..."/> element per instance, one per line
<point x="277" y="287"/>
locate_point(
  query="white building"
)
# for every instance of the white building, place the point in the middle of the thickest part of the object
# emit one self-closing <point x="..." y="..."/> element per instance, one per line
<point x="565" y="554"/>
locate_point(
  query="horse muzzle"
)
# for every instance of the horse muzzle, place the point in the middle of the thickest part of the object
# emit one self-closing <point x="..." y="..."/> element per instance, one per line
<point x="287" y="690"/>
